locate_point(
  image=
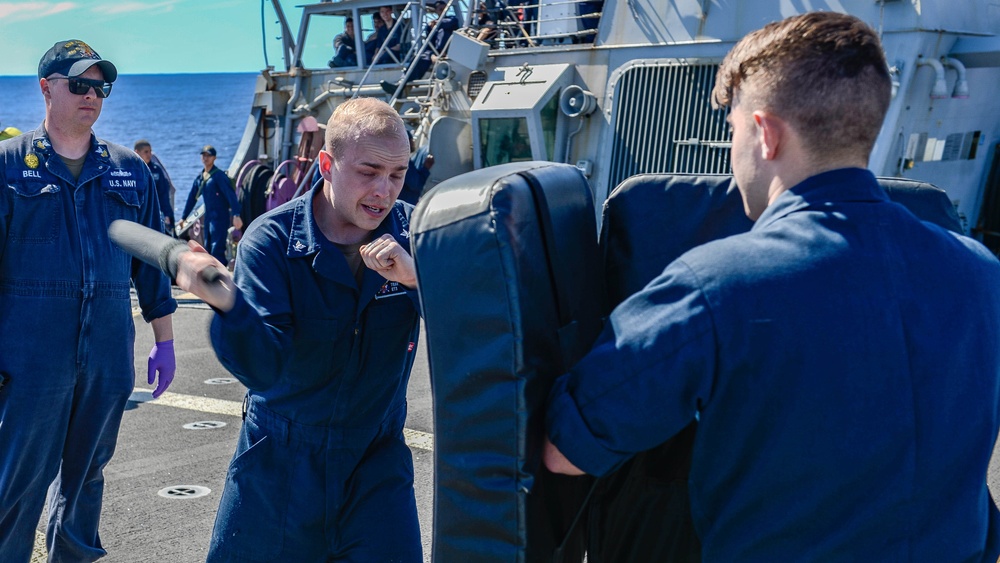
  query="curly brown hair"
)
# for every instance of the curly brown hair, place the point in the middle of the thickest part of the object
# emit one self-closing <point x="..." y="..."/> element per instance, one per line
<point x="823" y="72"/>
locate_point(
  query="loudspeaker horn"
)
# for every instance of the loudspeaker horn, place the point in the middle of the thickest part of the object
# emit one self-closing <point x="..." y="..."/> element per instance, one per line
<point x="443" y="71"/>
<point x="575" y="101"/>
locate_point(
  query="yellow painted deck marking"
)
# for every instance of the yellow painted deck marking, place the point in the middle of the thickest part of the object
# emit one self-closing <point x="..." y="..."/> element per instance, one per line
<point x="39" y="554"/>
<point x="414" y="438"/>
<point x="200" y="404"/>
<point x="418" y="439"/>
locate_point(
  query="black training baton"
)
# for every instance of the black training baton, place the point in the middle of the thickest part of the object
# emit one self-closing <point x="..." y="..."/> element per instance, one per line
<point x="154" y="248"/>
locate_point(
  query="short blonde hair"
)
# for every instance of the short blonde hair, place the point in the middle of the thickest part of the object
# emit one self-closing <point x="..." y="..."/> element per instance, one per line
<point x="824" y="72"/>
<point x="361" y="117"/>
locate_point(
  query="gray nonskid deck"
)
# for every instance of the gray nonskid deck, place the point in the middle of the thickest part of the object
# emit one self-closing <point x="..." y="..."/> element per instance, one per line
<point x="156" y="452"/>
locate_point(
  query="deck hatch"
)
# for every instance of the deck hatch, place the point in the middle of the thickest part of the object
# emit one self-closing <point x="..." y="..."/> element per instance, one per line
<point x="663" y="122"/>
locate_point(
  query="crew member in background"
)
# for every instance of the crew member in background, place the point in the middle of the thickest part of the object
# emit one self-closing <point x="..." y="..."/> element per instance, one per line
<point x="375" y="39"/>
<point x="66" y="326"/>
<point x="322" y="328"/>
<point x="440" y="31"/>
<point x="222" y="207"/>
<point x="394" y="48"/>
<point x="145" y="152"/>
<point x="842" y="358"/>
<point x="344" y="49"/>
<point x="485" y="24"/>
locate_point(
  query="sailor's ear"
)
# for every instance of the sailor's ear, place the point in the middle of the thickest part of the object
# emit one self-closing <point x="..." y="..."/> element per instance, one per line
<point x="325" y="164"/>
<point x="772" y="133"/>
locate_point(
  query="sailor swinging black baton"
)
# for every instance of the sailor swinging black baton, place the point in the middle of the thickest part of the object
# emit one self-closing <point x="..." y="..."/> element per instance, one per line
<point x="154" y="248"/>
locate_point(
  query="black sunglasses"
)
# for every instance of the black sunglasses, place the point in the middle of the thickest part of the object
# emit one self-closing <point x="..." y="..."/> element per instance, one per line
<point x="80" y="86"/>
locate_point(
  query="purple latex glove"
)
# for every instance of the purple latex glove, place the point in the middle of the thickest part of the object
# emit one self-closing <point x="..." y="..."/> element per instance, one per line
<point x="161" y="359"/>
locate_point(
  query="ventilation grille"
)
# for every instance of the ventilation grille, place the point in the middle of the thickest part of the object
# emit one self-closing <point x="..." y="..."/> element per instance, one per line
<point x="477" y="79"/>
<point x="664" y="123"/>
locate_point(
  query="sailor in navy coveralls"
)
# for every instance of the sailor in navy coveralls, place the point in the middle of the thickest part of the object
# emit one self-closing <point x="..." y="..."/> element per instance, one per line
<point x="322" y="329"/>
<point x="842" y="358"/>
<point x="162" y="182"/>
<point x="222" y="207"/>
<point x="66" y="327"/>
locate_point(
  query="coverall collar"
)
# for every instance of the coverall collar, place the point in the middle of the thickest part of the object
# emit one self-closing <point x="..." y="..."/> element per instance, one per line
<point x="305" y="238"/>
<point x="98" y="159"/>
<point x="845" y="184"/>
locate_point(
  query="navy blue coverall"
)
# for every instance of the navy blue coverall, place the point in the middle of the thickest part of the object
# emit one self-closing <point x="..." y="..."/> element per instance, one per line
<point x="220" y="200"/>
<point x="843" y="361"/>
<point x="321" y="470"/>
<point x="66" y="335"/>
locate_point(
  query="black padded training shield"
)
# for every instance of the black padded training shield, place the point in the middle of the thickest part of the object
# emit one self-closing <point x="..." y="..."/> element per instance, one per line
<point x="642" y="512"/>
<point x="511" y="287"/>
<point x="927" y="201"/>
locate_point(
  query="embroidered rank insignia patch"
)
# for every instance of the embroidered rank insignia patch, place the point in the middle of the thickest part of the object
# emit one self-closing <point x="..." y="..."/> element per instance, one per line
<point x="390" y="289"/>
<point x="31" y="160"/>
<point x="40" y="144"/>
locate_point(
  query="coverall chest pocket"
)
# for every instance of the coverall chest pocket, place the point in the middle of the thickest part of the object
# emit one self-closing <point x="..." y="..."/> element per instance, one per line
<point x="35" y="217"/>
<point x="120" y="203"/>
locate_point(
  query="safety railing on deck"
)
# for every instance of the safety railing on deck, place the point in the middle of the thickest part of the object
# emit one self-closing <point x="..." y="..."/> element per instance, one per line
<point x="555" y="22"/>
<point x="401" y="30"/>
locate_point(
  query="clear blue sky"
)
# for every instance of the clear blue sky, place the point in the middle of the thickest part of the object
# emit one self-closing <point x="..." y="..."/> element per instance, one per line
<point x="145" y="36"/>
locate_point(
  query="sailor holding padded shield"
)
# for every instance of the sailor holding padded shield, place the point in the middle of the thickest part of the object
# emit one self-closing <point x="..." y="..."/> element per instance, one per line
<point x="842" y="358"/>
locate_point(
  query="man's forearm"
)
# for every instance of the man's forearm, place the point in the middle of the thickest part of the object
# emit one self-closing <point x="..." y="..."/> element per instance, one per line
<point x="163" y="328"/>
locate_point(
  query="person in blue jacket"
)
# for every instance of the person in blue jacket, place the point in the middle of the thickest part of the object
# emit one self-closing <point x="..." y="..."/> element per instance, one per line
<point x="66" y="326"/>
<point x="439" y="31"/>
<point x="222" y="207"/>
<point x="395" y="48"/>
<point x="320" y="322"/>
<point x="375" y="40"/>
<point x="162" y="182"/>
<point x="842" y="358"/>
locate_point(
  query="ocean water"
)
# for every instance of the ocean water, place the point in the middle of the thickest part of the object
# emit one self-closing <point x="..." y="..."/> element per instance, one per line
<point x="177" y="113"/>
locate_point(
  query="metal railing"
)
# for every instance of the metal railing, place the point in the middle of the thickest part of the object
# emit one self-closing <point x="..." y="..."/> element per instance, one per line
<point x="544" y="23"/>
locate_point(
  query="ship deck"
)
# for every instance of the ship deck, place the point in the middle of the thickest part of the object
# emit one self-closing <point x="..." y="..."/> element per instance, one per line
<point x="163" y="484"/>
